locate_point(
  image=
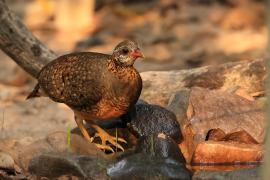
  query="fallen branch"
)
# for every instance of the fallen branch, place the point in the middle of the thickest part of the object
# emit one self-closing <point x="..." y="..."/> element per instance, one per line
<point x="20" y="44"/>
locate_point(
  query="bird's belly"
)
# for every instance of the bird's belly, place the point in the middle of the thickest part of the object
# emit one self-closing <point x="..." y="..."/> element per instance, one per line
<point x="105" y="109"/>
<point x="109" y="113"/>
<point x="112" y="108"/>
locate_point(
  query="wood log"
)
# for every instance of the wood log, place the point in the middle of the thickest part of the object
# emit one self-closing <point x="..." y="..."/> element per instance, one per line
<point x="20" y="44"/>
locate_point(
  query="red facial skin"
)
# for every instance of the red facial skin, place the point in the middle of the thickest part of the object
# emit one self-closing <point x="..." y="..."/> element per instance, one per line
<point x="137" y="54"/>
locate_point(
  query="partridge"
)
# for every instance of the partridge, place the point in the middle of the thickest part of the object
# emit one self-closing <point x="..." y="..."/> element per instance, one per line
<point x="94" y="86"/>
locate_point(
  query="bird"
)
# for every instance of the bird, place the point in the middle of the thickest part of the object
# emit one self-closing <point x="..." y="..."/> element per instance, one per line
<point x="95" y="86"/>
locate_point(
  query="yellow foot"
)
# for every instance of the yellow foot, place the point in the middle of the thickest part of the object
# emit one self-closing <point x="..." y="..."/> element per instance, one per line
<point x="104" y="147"/>
<point x="105" y="137"/>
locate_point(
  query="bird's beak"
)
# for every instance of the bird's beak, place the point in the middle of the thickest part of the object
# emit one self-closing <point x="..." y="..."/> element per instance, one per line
<point x="137" y="54"/>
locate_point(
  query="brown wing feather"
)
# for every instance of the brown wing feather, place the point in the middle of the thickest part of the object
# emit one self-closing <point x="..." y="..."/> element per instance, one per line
<point x="74" y="79"/>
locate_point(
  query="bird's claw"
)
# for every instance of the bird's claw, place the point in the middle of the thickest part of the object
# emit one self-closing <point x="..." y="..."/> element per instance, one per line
<point x="105" y="137"/>
<point x="104" y="147"/>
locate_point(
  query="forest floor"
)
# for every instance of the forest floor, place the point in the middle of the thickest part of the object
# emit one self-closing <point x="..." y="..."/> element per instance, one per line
<point x="176" y="35"/>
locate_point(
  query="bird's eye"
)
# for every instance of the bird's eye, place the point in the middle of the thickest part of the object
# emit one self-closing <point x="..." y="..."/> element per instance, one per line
<point x="125" y="51"/>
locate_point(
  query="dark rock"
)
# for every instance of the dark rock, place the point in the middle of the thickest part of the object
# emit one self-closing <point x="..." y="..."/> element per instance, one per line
<point x="156" y="157"/>
<point x="52" y="166"/>
<point x="154" y="119"/>
<point x="243" y="174"/>
<point x="140" y="166"/>
<point x="161" y="146"/>
<point x="56" y="165"/>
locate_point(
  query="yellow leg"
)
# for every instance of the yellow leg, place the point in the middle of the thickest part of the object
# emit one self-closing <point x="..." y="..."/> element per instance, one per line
<point x="80" y="124"/>
<point x="105" y="137"/>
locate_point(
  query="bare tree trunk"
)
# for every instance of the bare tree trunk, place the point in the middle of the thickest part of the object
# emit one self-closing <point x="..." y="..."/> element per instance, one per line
<point x="20" y="44"/>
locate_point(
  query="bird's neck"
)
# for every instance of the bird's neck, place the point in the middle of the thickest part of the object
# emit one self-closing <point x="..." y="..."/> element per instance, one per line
<point x="122" y="72"/>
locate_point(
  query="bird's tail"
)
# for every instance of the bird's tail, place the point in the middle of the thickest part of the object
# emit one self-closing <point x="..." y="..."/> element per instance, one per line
<point x="34" y="93"/>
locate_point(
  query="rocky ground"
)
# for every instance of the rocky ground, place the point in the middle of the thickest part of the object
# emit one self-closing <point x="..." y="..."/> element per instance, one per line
<point x="215" y="122"/>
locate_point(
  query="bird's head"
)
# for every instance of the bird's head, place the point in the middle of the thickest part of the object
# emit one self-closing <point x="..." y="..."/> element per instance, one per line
<point x="126" y="52"/>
